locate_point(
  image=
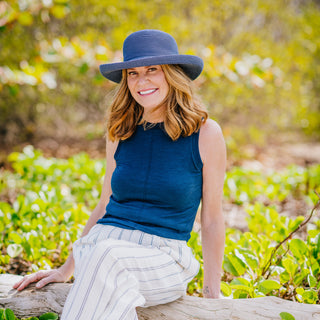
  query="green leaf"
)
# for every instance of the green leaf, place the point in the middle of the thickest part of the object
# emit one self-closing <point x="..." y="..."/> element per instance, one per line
<point x="9" y="315"/>
<point x="247" y="258"/>
<point x="27" y="247"/>
<point x="299" y="290"/>
<point x="286" y="316"/>
<point x="225" y="289"/>
<point x="15" y="237"/>
<point x="241" y="287"/>
<point x="49" y="316"/>
<point x="299" y="277"/>
<point x="267" y="286"/>
<point x="251" y="260"/>
<point x="14" y="250"/>
<point x="310" y="296"/>
<point x="239" y="294"/>
<point x="318" y="245"/>
<point x="289" y="265"/>
<point x="234" y="265"/>
<point x="298" y="248"/>
<point x="312" y="281"/>
<point x="241" y="281"/>
<point x="284" y="277"/>
<point x="293" y="224"/>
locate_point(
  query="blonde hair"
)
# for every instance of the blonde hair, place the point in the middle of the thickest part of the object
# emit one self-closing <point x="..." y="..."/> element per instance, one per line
<point x="183" y="114"/>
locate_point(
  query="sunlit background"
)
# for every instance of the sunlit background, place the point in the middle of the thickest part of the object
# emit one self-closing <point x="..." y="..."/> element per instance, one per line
<point x="260" y="81"/>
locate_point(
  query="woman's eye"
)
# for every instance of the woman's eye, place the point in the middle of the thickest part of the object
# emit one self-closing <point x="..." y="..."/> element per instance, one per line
<point x="131" y="73"/>
<point x="152" y="69"/>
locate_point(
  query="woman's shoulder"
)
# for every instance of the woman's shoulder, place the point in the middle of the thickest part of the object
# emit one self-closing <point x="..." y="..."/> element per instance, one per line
<point x="210" y="129"/>
<point x="211" y="139"/>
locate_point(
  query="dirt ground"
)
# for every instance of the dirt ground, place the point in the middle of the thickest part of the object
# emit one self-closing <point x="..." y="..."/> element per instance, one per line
<point x="276" y="157"/>
<point x="273" y="156"/>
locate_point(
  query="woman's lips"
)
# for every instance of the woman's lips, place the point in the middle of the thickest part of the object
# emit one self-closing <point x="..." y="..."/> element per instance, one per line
<point x="147" y="92"/>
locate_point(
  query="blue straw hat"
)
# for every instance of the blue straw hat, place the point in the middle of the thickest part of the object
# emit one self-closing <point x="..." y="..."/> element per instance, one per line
<point x="151" y="47"/>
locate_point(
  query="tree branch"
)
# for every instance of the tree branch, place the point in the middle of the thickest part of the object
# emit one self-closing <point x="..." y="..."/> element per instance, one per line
<point x="301" y="225"/>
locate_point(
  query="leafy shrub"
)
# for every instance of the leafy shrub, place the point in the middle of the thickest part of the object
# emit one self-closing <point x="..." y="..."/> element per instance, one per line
<point x="250" y="268"/>
<point x="46" y="202"/>
<point x="7" y="314"/>
<point x="50" y="206"/>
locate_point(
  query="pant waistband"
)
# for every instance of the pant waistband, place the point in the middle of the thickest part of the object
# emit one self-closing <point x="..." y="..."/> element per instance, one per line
<point x="135" y="236"/>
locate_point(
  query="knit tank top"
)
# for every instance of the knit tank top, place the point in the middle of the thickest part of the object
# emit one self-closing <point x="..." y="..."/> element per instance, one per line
<point x="157" y="183"/>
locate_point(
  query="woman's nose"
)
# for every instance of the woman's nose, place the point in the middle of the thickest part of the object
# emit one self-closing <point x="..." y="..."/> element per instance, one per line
<point x="143" y="78"/>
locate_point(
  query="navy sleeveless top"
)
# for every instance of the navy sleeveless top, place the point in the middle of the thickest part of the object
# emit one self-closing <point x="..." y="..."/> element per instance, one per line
<point x="157" y="183"/>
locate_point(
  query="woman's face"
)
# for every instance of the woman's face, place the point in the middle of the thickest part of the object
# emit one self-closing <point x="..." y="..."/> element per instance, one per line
<point x="148" y="86"/>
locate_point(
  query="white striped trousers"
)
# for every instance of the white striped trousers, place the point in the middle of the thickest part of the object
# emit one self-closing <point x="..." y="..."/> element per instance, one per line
<point x="117" y="270"/>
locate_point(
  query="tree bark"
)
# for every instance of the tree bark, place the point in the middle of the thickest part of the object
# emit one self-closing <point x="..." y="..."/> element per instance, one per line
<point x="34" y="302"/>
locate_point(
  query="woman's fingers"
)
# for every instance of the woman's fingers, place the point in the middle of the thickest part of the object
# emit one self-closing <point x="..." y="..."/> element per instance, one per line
<point x="42" y="277"/>
<point x="17" y="284"/>
<point x="26" y="280"/>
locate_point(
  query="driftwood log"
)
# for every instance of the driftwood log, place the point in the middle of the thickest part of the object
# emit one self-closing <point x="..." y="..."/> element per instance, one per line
<point x="33" y="302"/>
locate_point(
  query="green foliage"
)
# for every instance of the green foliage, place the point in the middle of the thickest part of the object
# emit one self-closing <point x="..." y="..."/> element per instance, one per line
<point x="50" y="200"/>
<point x="53" y="198"/>
<point x="247" y="186"/>
<point x="195" y="244"/>
<point x="49" y="316"/>
<point x="294" y="272"/>
<point x="261" y="61"/>
<point x="286" y="316"/>
<point x="7" y="314"/>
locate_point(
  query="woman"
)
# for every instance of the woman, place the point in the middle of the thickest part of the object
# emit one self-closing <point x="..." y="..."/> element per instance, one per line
<point x="163" y="157"/>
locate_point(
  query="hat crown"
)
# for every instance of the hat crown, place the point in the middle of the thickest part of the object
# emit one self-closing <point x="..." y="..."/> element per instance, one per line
<point x="151" y="47"/>
<point x="148" y="43"/>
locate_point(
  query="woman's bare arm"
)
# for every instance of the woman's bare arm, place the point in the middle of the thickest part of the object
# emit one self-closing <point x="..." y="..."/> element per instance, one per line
<point x="213" y="154"/>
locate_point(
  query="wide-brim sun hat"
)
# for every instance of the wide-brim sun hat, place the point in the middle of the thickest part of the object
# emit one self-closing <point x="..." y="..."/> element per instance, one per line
<point x="151" y="47"/>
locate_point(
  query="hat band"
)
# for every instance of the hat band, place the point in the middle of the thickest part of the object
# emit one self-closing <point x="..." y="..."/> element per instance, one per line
<point x="128" y="59"/>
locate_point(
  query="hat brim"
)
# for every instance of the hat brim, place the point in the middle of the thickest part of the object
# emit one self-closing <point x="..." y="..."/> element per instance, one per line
<point x="191" y="65"/>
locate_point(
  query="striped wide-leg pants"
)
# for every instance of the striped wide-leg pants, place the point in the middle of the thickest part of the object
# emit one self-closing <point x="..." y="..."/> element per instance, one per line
<point x="117" y="270"/>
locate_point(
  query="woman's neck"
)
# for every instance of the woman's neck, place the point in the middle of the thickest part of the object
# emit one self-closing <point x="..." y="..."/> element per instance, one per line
<point x="153" y="116"/>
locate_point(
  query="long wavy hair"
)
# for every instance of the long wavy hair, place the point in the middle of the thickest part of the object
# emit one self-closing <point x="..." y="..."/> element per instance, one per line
<point x="183" y="116"/>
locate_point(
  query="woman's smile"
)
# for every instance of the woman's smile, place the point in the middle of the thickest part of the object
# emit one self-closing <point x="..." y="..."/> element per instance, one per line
<point x="147" y="92"/>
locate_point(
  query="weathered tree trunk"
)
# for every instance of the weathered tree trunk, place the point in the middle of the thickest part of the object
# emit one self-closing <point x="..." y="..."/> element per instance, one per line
<point x="33" y="302"/>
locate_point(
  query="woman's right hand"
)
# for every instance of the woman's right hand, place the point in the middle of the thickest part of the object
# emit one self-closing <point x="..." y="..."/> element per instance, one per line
<point x="42" y="278"/>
